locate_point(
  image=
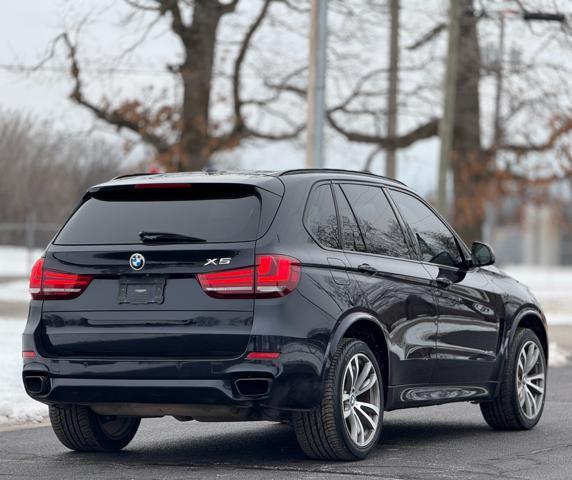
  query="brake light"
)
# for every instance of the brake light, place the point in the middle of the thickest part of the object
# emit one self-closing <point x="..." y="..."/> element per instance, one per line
<point x="272" y="276"/>
<point x="139" y="186"/>
<point x="238" y="282"/>
<point x="53" y="285"/>
<point x="276" y="275"/>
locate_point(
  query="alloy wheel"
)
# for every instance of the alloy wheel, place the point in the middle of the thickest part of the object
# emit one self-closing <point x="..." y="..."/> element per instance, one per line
<point x="530" y="380"/>
<point x="361" y="400"/>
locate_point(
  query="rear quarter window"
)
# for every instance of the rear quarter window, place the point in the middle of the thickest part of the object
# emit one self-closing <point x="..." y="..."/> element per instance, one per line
<point x="321" y="219"/>
<point x="207" y="212"/>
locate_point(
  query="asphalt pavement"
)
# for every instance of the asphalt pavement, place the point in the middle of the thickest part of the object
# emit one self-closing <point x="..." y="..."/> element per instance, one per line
<point x="445" y="442"/>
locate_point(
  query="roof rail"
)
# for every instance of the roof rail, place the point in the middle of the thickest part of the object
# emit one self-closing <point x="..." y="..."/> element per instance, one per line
<point x="336" y="170"/>
<point x="140" y="174"/>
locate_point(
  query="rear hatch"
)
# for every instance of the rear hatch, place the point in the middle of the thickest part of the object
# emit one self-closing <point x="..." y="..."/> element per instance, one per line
<point x="141" y="248"/>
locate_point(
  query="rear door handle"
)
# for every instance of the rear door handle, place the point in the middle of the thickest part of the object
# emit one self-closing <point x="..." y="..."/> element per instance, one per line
<point x="443" y="282"/>
<point x="367" y="268"/>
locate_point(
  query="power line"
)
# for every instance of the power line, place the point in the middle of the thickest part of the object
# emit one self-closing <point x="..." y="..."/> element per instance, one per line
<point x="23" y="68"/>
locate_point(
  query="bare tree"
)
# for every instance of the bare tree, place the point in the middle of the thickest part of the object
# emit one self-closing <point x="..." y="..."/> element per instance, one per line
<point x="264" y="89"/>
<point x="537" y="119"/>
<point x="45" y="173"/>
<point x="184" y="135"/>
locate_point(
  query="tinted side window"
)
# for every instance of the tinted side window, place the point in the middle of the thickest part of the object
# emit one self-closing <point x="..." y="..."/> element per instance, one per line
<point x="437" y="243"/>
<point x="377" y="221"/>
<point x="351" y="235"/>
<point x="321" y="217"/>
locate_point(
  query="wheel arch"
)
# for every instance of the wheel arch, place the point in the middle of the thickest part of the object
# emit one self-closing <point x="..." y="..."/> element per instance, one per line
<point x="365" y="327"/>
<point x="535" y="321"/>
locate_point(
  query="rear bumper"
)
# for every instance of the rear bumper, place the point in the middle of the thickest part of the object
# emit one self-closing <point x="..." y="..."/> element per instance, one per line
<point x="279" y="384"/>
<point x="159" y="384"/>
<point x="294" y="380"/>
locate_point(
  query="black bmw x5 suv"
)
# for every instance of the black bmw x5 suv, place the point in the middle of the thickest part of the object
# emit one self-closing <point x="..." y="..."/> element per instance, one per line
<point x="319" y="298"/>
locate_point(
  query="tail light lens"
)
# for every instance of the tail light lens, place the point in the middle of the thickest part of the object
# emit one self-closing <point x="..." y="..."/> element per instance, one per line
<point x="276" y="275"/>
<point x="272" y="276"/>
<point x="53" y="285"/>
<point x="236" y="283"/>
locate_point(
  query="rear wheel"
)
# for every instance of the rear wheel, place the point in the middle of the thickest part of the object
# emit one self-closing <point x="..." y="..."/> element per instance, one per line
<point x="80" y="429"/>
<point x="520" y="402"/>
<point x="348" y="422"/>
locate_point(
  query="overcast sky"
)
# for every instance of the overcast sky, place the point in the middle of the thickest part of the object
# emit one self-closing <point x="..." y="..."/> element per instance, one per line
<point x="28" y="26"/>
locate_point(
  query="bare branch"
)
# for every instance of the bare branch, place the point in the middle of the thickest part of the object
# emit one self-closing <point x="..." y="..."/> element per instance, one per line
<point x="428" y="36"/>
<point x="526" y="148"/>
<point x="427" y="130"/>
<point x="141" y="38"/>
<point x="278" y="136"/>
<point x="296" y="8"/>
<point x="239" y="120"/>
<point x="371" y="157"/>
<point x="112" y="117"/>
<point x="179" y="27"/>
<point x="140" y="6"/>
<point x="240" y="127"/>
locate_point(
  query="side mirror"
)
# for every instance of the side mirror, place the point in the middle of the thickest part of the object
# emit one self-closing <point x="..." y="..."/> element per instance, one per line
<point x="482" y="254"/>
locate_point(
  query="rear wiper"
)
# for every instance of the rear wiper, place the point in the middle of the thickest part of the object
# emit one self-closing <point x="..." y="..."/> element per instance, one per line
<point x="168" y="237"/>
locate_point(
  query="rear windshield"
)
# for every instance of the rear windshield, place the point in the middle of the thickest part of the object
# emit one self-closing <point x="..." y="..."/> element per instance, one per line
<point x="210" y="213"/>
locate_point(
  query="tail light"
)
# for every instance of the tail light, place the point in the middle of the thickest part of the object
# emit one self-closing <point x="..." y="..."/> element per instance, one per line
<point x="272" y="276"/>
<point x="53" y="285"/>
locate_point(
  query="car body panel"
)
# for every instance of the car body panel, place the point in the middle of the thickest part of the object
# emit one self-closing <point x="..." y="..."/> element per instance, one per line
<point x="469" y="326"/>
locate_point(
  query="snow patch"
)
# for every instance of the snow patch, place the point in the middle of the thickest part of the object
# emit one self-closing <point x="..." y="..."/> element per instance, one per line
<point x="559" y="318"/>
<point x="14" y="291"/>
<point x="15" y="405"/>
<point x="551" y="286"/>
<point x="16" y="261"/>
<point x="557" y="356"/>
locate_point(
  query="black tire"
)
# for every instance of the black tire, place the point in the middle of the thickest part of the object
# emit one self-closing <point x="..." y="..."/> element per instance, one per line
<point x="322" y="433"/>
<point x="505" y="412"/>
<point x="79" y="428"/>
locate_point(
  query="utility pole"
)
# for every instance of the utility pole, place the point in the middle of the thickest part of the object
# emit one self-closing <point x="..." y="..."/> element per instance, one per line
<point x="446" y="127"/>
<point x="390" y="161"/>
<point x="499" y="91"/>
<point x="317" y="85"/>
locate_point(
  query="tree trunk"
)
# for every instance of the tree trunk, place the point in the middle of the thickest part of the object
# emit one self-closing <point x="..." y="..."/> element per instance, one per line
<point x="469" y="165"/>
<point x="199" y="42"/>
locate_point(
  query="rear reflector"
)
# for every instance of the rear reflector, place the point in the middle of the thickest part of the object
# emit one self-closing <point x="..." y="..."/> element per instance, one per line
<point x="272" y="276"/>
<point x="263" y="356"/>
<point x="28" y="354"/>
<point x="53" y="285"/>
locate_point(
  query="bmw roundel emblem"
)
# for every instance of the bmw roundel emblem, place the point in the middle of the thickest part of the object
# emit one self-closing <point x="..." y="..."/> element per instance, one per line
<point x="137" y="261"/>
